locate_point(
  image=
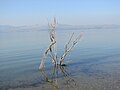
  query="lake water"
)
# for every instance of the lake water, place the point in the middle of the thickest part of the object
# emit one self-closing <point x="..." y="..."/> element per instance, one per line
<point x="94" y="62"/>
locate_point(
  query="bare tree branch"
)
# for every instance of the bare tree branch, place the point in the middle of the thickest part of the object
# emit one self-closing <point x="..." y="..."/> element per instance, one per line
<point x="52" y="46"/>
<point x="67" y="50"/>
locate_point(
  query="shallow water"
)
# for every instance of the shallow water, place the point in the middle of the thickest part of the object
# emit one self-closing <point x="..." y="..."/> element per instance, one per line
<point x="94" y="62"/>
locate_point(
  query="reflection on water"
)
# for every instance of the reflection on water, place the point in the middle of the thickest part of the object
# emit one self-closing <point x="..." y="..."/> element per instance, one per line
<point x="54" y="80"/>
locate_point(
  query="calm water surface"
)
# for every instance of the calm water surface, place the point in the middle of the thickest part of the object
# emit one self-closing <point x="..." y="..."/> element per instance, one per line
<point x="96" y="55"/>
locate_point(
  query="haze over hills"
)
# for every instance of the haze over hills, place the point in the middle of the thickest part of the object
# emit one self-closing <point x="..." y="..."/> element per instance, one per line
<point x="8" y="28"/>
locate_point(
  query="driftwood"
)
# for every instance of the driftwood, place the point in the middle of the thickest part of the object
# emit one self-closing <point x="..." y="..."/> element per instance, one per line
<point x="52" y="49"/>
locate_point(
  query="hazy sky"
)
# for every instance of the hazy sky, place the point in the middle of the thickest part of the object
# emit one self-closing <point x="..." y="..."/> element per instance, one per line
<point x="75" y="12"/>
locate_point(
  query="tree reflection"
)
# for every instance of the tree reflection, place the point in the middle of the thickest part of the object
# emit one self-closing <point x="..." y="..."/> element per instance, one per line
<point x="59" y="79"/>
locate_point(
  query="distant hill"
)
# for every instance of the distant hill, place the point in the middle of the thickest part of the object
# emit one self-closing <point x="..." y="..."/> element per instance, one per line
<point x="8" y="28"/>
<point x="78" y="27"/>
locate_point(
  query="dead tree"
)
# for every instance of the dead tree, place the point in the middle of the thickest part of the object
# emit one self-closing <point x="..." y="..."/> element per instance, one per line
<point x="52" y="49"/>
